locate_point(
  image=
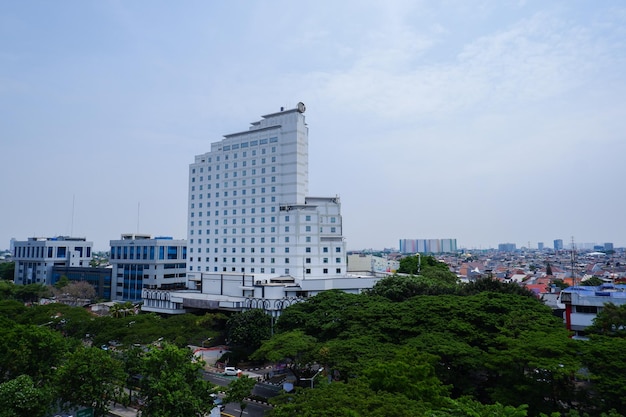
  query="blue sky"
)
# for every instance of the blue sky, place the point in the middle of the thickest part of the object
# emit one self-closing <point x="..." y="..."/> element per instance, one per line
<point x="485" y="121"/>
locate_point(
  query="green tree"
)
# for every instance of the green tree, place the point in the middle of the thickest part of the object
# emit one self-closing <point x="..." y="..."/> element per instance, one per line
<point x="172" y="384"/>
<point x="90" y="377"/>
<point x="479" y="335"/>
<point x="610" y="321"/>
<point x="31" y="293"/>
<point x="238" y="390"/>
<point x="20" y="397"/>
<point x="402" y="287"/>
<point x="30" y="350"/>
<point x="358" y="399"/>
<point x="7" y="290"/>
<point x="62" y="282"/>
<point x="248" y="329"/>
<point x="493" y="285"/>
<point x="122" y="309"/>
<point x="560" y="283"/>
<point x="7" y="271"/>
<point x="409" y="374"/>
<point x="11" y="309"/>
<point x="293" y="348"/>
<point x="603" y="357"/>
<point x="592" y="282"/>
<point x="427" y="266"/>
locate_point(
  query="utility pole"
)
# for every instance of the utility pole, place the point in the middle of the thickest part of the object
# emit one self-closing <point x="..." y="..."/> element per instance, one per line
<point x="573" y="261"/>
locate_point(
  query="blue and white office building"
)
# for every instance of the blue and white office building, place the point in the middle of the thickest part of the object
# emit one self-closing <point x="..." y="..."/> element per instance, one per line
<point x="35" y="257"/>
<point x="140" y="262"/>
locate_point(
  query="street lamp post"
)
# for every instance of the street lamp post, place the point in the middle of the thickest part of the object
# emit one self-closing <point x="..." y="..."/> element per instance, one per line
<point x="313" y="377"/>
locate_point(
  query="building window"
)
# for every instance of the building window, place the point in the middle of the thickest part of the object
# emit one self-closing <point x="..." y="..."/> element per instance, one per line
<point x="307" y="260"/>
<point x="307" y="250"/>
<point x="325" y="271"/>
<point x="308" y="270"/>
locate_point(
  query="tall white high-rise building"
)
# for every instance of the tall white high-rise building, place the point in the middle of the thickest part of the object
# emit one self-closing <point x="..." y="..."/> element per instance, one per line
<point x="255" y="238"/>
<point x="249" y="212"/>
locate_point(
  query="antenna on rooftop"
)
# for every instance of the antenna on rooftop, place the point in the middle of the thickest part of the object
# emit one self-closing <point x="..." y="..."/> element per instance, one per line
<point x="138" y="205"/>
<point x="72" y="222"/>
<point x="573" y="260"/>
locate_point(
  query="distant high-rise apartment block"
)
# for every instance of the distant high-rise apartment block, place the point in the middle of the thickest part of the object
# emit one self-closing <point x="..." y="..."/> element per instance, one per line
<point x="608" y="246"/>
<point x="142" y="263"/>
<point x="35" y="257"/>
<point x="427" y="245"/>
<point x="507" y="247"/>
<point x="540" y="246"/>
<point x="558" y="244"/>
<point x="249" y="212"/>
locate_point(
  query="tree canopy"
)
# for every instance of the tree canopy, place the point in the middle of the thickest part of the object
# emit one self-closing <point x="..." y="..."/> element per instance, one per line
<point x="430" y="347"/>
<point x="172" y="384"/>
<point x="248" y="329"/>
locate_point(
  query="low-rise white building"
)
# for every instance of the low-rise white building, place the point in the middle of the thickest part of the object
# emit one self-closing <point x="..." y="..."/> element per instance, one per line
<point x="34" y="258"/>
<point x="365" y="263"/>
<point x="583" y="303"/>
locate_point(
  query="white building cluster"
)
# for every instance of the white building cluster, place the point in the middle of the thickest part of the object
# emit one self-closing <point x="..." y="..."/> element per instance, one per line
<point x="255" y="237"/>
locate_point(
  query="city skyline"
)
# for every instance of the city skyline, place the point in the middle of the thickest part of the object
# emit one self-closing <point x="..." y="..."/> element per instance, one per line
<point x="487" y="122"/>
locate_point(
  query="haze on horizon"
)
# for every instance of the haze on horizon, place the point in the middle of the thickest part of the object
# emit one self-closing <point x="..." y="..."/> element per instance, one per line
<point x="485" y="121"/>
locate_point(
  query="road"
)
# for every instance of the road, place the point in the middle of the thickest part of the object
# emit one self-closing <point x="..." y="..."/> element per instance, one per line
<point x="252" y="409"/>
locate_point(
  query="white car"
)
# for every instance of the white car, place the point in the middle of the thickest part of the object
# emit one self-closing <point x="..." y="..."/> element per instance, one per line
<point x="231" y="371"/>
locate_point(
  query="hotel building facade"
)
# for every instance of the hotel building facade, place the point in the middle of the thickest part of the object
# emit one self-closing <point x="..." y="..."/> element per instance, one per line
<point x="248" y="206"/>
<point x="255" y="238"/>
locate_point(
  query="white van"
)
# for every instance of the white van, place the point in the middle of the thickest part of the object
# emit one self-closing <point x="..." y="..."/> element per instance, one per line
<point x="231" y="371"/>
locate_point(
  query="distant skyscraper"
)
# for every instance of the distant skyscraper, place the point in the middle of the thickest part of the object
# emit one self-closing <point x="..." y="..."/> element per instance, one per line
<point x="558" y="244"/>
<point x="608" y="246"/>
<point x="507" y="247"/>
<point x="540" y="246"/>
<point x="427" y="245"/>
